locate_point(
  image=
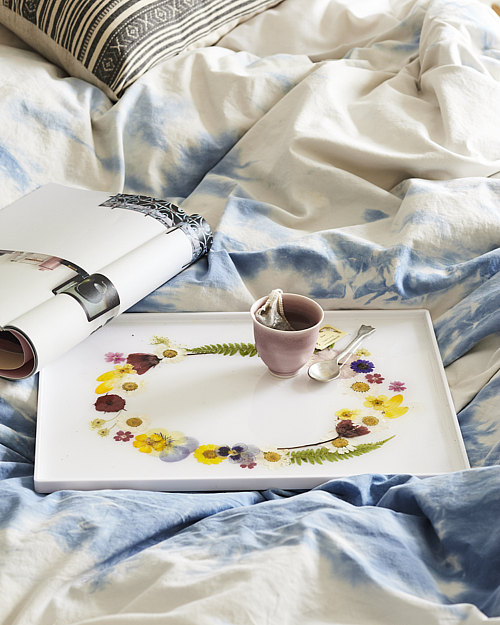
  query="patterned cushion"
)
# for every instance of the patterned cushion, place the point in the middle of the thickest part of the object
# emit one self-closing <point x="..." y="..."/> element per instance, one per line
<point x="112" y="42"/>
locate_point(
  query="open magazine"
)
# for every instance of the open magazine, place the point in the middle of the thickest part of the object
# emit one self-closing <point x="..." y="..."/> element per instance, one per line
<point x="72" y="259"/>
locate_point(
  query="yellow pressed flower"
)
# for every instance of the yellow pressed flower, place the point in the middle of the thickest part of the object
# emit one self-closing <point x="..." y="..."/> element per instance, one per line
<point x="150" y="442"/>
<point x="370" y="420"/>
<point x="362" y="352"/>
<point x="97" y="423"/>
<point x="109" y="375"/>
<point x="377" y="403"/>
<point x="394" y="401"/>
<point x="347" y="413"/>
<point x="109" y="378"/>
<point x="393" y="413"/>
<point x="126" y="369"/>
<point x="157" y="440"/>
<point x="207" y="454"/>
<point x="103" y="432"/>
<point x="360" y="387"/>
<point x="141" y="442"/>
<point x="105" y="387"/>
<point x="118" y="372"/>
<point x="392" y="408"/>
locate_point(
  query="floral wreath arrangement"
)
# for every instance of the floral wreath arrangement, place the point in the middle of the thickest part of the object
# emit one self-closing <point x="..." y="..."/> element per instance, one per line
<point x="126" y="379"/>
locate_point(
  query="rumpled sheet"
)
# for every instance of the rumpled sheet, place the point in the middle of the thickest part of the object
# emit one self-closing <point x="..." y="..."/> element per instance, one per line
<point x="343" y="149"/>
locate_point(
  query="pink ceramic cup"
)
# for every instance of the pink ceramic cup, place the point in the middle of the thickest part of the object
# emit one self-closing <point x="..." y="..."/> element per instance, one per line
<point x="286" y="352"/>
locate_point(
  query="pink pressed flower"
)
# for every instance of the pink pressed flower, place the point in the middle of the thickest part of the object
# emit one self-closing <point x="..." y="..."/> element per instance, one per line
<point x="397" y="386"/>
<point x="115" y="357"/>
<point x="374" y="378"/>
<point x="123" y="436"/>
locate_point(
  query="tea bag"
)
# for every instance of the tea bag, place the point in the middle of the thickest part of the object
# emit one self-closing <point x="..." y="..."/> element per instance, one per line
<point x="272" y="314"/>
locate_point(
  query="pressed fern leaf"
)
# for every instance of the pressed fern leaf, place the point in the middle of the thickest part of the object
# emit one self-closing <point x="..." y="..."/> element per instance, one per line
<point x="322" y="454"/>
<point x="226" y="349"/>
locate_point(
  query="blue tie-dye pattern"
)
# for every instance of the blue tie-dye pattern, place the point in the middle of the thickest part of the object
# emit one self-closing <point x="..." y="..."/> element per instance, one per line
<point x="371" y="214"/>
<point x="473" y="318"/>
<point x="12" y="169"/>
<point x="398" y="534"/>
<point x="50" y="120"/>
<point x="477" y="426"/>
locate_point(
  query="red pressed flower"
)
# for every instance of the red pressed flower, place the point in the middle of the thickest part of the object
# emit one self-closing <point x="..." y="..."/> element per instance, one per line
<point x="250" y="465"/>
<point x="123" y="436"/>
<point x="109" y="403"/>
<point x="374" y="378"/>
<point x="347" y="429"/>
<point x="142" y="362"/>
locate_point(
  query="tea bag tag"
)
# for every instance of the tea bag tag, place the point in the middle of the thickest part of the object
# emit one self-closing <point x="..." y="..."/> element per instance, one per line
<point x="272" y="314"/>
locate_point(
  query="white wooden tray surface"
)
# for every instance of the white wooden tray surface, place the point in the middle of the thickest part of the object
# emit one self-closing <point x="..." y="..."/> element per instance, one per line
<point x="231" y="403"/>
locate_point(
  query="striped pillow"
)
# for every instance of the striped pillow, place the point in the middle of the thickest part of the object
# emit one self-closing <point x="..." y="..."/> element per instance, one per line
<point x="111" y="43"/>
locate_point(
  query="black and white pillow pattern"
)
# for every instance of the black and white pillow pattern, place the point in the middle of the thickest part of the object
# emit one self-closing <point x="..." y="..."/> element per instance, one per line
<point x="112" y="42"/>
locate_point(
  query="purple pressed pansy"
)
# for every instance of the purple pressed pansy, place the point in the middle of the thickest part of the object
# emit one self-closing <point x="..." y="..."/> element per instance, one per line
<point x="362" y="366"/>
<point x="241" y="454"/>
<point x="177" y="452"/>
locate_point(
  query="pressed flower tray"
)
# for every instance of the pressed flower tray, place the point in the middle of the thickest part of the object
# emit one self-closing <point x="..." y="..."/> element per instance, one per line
<point x="182" y="402"/>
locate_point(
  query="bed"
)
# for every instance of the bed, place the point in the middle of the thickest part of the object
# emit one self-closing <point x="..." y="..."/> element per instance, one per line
<point x="345" y="150"/>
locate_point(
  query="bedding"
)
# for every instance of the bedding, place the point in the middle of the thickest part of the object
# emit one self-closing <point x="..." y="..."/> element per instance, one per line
<point x="111" y="43"/>
<point x="342" y="149"/>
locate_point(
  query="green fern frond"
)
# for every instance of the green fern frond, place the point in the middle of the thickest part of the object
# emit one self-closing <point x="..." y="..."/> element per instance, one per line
<point x="226" y="349"/>
<point x="322" y="454"/>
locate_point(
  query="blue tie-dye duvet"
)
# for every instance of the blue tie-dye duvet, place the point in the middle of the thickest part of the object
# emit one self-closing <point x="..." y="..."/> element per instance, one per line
<point x="349" y="151"/>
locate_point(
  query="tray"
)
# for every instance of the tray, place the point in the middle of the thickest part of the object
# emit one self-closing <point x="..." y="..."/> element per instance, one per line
<point x="181" y="402"/>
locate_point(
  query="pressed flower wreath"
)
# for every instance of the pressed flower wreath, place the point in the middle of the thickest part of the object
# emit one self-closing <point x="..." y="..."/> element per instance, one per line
<point x="125" y="379"/>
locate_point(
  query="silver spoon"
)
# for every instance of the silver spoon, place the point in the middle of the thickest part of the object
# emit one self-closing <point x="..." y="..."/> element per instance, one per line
<point x="327" y="370"/>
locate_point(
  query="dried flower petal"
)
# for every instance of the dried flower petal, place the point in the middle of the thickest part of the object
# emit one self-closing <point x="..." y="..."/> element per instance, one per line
<point x="109" y="403"/>
<point x="347" y="428"/>
<point x="142" y="362"/>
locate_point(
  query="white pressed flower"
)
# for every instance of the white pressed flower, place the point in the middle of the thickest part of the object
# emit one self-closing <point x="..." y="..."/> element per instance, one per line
<point x="273" y="458"/>
<point x="135" y="423"/>
<point x="342" y="445"/>
<point x="130" y="385"/>
<point x="170" y="353"/>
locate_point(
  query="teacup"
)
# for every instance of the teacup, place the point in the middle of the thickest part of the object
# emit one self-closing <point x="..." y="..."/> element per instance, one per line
<point x="285" y="352"/>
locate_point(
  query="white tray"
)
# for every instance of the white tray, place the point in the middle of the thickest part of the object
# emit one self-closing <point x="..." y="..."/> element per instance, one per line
<point x="235" y="425"/>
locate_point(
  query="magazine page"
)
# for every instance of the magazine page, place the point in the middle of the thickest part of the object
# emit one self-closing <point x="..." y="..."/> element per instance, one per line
<point x="72" y="259"/>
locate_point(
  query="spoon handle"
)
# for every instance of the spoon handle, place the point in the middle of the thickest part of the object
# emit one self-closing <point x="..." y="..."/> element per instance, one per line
<point x="363" y="332"/>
